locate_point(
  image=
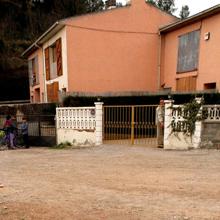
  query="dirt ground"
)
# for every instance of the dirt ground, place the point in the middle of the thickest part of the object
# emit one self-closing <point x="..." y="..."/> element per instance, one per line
<point x="109" y="182"/>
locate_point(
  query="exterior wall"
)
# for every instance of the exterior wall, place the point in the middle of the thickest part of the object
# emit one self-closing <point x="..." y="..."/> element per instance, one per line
<point x="115" y="50"/>
<point x="80" y="126"/>
<point x="211" y="134"/>
<point x="76" y="137"/>
<point x="41" y="79"/>
<point x="179" y="140"/>
<point x="62" y="80"/>
<point x="209" y="54"/>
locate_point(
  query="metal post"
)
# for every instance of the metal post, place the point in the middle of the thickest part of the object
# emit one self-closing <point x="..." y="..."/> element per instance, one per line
<point x="132" y="125"/>
<point x="39" y="125"/>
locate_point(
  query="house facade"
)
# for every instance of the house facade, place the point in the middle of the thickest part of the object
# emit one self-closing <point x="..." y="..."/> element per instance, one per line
<point x="111" y="51"/>
<point x="190" y="53"/>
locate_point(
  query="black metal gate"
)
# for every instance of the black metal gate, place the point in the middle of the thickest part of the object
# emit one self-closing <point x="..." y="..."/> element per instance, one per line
<point x="41" y="128"/>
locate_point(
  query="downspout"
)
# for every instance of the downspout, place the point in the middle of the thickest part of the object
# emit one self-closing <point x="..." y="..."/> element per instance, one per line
<point x="44" y="76"/>
<point x="159" y="64"/>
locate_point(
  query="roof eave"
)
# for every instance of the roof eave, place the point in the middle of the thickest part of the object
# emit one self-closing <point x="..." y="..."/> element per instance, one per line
<point x="44" y="37"/>
<point x="206" y="13"/>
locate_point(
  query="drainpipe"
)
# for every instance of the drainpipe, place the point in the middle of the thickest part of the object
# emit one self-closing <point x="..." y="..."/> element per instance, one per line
<point x="159" y="63"/>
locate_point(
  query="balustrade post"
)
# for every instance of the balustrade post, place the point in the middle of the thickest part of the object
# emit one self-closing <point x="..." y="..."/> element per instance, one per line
<point x="99" y="122"/>
<point x="196" y="138"/>
<point x="167" y="123"/>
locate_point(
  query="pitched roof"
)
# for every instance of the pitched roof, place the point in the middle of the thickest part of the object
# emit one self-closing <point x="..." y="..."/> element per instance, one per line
<point x="181" y="23"/>
<point x="44" y="37"/>
<point x="57" y="26"/>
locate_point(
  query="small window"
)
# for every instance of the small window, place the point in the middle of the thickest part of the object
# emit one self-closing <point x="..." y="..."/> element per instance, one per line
<point x="188" y="52"/>
<point x="33" y="71"/>
<point x="210" y="86"/>
<point x="53" y="61"/>
<point x="53" y="53"/>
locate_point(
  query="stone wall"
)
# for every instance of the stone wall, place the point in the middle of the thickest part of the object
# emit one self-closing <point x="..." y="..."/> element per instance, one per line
<point x="211" y="133"/>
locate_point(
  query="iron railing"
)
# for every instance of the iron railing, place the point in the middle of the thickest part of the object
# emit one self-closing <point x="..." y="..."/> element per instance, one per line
<point x="41" y="128"/>
<point x="130" y="124"/>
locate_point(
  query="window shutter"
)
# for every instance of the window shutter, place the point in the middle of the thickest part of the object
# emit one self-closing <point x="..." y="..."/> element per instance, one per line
<point x="59" y="57"/>
<point x="55" y="91"/>
<point x="30" y="72"/>
<point x="47" y="63"/>
<point x="188" y="52"/>
<point x="49" y="93"/>
<point x="37" y="69"/>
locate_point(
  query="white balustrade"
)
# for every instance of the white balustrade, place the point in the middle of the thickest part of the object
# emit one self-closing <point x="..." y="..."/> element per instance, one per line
<point x="178" y="121"/>
<point x="80" y="118"/>
<point x="212" y="113"/>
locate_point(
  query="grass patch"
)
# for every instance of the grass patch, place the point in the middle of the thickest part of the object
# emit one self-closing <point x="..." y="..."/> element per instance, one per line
<point x="63" y="145"/>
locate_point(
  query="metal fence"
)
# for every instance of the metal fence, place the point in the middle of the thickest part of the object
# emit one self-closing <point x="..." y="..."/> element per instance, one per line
<point x="130" y="124"/>
<point x="41" y="128"/>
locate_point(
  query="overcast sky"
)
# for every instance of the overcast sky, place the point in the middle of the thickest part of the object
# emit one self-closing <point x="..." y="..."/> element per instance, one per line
<point x="195" y="6"/>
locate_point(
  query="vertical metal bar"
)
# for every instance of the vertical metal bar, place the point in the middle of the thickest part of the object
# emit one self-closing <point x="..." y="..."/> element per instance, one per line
<point x="136" y="125"/>
<point x="148" y="125"/>
<point x="120" y="122"/>
<point x="127" y="123"/>
<point x="132" y="125"/>
<point x="106" y="122"/>
<point x="39" y="126"/>
<point x="117" y="122"/>
<point x="109" y="124"/>
<point x="143" y="123"/>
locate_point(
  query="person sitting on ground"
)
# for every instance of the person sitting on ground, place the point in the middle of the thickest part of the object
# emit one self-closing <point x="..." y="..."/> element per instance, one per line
<point x="24" y="132"/>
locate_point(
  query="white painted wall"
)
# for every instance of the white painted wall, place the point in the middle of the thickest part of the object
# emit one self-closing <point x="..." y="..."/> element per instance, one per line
<point x="179" y="140"/>
<point x="76" y="137"/>
<point x="81" y="126"/>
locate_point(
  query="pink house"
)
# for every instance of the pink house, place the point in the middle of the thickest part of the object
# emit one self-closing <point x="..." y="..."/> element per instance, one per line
<point x="190" y="53"/>
<point x="111" y="51"/>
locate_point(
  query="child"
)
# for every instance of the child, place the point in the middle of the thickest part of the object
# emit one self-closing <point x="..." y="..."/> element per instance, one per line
<point x="24" y="132"/>
<point x="9" y="130"/>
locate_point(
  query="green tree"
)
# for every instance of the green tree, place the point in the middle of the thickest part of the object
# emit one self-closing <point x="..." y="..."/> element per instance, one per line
<point x="165" y="5"/>
<point x="184" y="13"/>
<point x="21" y="22"/>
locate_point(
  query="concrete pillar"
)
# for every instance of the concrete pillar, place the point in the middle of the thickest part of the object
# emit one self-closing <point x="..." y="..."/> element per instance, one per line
<point x="196" y="138"/>
<point x="99" y="122"/>
<point x="167" y="123"/>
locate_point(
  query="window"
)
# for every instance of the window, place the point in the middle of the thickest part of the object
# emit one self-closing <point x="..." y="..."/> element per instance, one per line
<point x="33" y="71"/>
<point x="188" y="52"/>
<point x="37" y="95"/>
<point x="210" y="86"/>
<point x="53" y="60"/>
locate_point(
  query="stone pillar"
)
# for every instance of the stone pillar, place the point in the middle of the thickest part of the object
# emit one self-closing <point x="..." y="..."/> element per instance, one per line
<point x="196" y="138"/>
<point x="167" y="123"/>
<point x="99" y="122"/>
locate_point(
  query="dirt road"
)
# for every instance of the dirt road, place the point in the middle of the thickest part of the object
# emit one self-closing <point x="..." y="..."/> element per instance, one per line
<point x="110" y="182"/>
